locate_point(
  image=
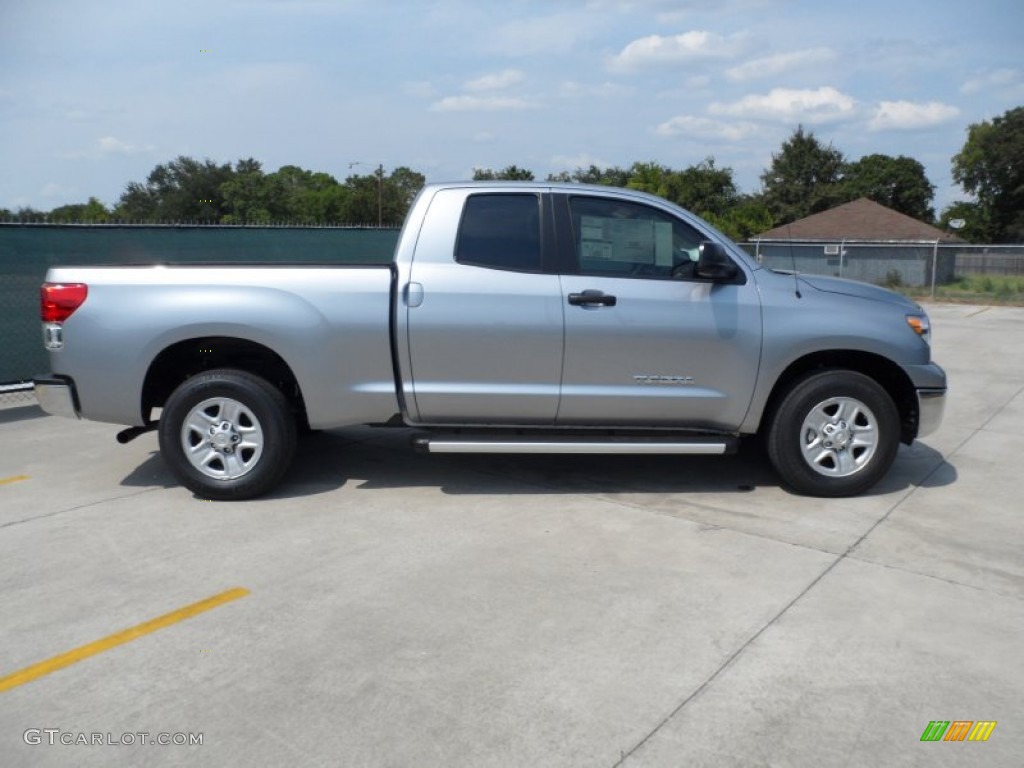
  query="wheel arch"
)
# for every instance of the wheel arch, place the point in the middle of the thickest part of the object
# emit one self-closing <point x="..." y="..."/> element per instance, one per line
<point x="889" y="375"/>
<point x="184" y="359"/>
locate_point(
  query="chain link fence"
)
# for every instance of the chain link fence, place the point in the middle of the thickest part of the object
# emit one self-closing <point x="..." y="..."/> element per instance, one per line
<point x="987" y="273"/>
<point x="28" y="250"/>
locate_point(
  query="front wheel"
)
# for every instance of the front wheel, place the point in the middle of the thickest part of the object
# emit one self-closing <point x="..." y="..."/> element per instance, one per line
<point x="227" y="434"/>
<point x="835" y="434"/>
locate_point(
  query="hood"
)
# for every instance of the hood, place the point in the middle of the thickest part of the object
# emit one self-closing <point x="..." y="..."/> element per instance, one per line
<point x="856" y="288"/>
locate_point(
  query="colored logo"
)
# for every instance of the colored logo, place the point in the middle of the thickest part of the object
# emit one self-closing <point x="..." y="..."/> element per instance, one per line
<point x="958" y="730"/>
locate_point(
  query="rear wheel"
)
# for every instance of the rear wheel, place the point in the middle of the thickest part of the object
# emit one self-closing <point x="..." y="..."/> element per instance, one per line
<point x="835" y="434"/>
<point x="227" y="434"/>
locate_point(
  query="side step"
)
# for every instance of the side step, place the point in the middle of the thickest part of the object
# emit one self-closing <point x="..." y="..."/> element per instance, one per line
<point x="715" y="445"/>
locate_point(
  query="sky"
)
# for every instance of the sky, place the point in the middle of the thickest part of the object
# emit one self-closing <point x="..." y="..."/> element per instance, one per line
<point x="94" y="95"/>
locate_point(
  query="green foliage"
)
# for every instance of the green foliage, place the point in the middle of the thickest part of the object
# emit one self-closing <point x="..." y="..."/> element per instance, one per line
<point x="745" y="219"/>
<point x="92" y="212"/>
<point x="803" y="179"/>
<point x="182" y="190"/>
<point x="247" y="195"/>
<point x="609" y="177"/>
<point x="508" y="173"/>
<point x="186" y="190"/>
<point x="899" y="183"/>
<point x="704" y="188"/>
<point x="976" y="224"/>
<point x="650" y="177"/>
<point x="990" y="166"/>
<point x="379" y="198"/>
<point x="30" y="215"/>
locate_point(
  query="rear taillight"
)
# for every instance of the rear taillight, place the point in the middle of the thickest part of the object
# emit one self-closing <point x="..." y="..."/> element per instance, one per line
<point x="59" y="300"/>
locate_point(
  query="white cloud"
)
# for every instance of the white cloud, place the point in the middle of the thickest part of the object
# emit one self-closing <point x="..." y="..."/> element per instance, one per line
<point x="770" y="66"/>
<point x="998" y="79"/>
<point x="656" y="50"/>
<point x="820" y="105"/>
<point x="908" y="115"/>
<point x="108" y="145"/>
<point x="496" y="81"/>
<point x="571" y="88"/>
<point x="705" y="128"/>
<point x="480" y="104"/>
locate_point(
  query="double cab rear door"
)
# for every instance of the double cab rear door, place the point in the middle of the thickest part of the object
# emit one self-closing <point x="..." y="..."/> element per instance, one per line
<point x="538" y="308"/>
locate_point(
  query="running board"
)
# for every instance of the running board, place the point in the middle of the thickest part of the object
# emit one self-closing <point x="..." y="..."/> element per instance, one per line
<point x="706" y="446"/>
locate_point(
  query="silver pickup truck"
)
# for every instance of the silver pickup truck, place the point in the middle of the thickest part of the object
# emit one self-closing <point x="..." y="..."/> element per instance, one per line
<point x="516" y="317"/>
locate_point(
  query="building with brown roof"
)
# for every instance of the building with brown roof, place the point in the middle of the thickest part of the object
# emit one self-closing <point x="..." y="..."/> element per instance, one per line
<point x="862" y="220"/>
<point x="862" y="240"/>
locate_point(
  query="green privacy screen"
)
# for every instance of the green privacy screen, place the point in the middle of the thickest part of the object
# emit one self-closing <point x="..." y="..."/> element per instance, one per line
<point x="27" y="250"/>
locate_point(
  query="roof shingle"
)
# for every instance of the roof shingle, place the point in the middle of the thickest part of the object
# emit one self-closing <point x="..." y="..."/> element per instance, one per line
<point x="862" y="219"/>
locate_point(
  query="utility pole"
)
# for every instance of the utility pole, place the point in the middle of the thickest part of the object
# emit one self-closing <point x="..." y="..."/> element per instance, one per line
<point x="380" y="189"/>
<point x="380" y="195"/>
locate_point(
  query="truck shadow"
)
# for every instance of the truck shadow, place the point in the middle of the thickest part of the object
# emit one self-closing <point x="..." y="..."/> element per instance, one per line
<point x="372" y="460"/>
<point x="16" y="413"/>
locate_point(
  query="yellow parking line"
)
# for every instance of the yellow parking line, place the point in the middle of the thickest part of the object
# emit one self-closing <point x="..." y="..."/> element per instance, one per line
<point x="29" y="674"/>
<point x="15" y="479"/>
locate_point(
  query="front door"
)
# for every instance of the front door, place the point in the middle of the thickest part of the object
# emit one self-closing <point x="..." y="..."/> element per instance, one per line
<point x="647" y="343"/>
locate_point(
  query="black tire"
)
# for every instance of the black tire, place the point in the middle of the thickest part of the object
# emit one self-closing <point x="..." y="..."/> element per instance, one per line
<point x="836" y="433"/>
<point x="247" y="440"/>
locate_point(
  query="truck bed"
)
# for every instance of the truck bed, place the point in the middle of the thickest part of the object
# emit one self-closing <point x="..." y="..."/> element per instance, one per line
<point x="318" y="319"/>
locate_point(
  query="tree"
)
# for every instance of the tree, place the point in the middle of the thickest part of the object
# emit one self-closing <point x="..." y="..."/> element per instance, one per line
<point x="247" y="195"/>
<point x="899" y="183"/>
<point x="92" y="212"/>
<point x="30" y="215"/>
<point x="804" y="178"/>
<point x="745" y="218"/>
<point x="650" y="177"/>
<point x="609" y="177"/>
<point x="990" y="166"/>
<point x="182" y="190"/>
<point x="300" y="196"/>
<point x="508" y="173"/>
<point x="976" y="226"/>
<point x="400" y="189"/>
<point x="704" y="189"/>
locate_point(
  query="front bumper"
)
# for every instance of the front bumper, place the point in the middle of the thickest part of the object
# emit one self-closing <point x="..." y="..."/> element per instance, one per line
<point x="931" y="405"/>
<point x="57" y="396"/>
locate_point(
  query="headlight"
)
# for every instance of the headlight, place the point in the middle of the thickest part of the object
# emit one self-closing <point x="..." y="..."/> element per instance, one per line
<point x="920" y="325"/>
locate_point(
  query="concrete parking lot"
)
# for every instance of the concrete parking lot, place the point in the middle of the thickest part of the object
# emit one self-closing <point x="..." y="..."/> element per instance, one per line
<point x="410" y="610"/>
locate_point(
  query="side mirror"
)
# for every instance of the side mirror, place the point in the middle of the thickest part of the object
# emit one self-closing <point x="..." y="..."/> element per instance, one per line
<point x="714" y="263"/>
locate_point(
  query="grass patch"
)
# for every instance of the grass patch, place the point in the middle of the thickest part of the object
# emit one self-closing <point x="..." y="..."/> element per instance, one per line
<point x="972" y="289"/>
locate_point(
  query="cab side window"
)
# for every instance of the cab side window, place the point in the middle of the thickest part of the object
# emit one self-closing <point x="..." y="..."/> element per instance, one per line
<point x="500" y="231"/>
<point x="623" y="239"/>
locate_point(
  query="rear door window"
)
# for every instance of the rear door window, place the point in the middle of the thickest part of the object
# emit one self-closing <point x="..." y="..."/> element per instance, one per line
<point x="501" y="231"/>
